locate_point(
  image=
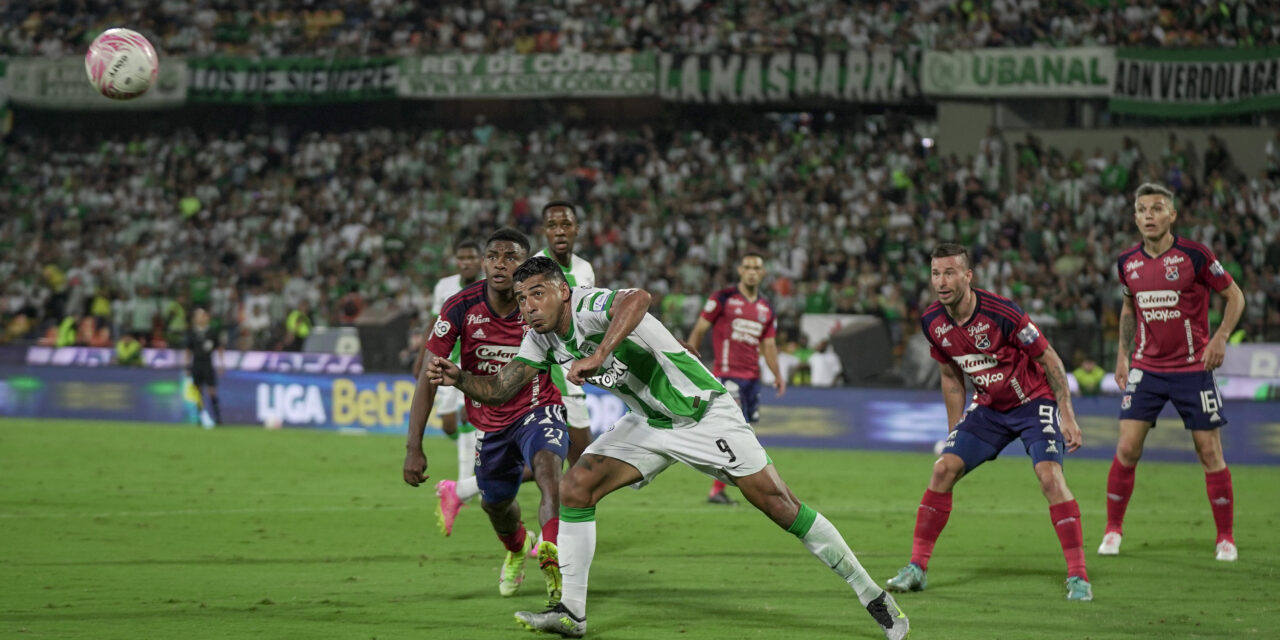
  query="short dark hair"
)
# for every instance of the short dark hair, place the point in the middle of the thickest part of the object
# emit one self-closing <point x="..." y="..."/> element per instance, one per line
<point x="948" y="249"/>
<point x="750" y="254"/>
<point x="1154" y="189"/>
<point x="467" y="244"/>
<point x="539" y="266"/>
<point x="560" y="203"/>
<point x="507" y="234"/>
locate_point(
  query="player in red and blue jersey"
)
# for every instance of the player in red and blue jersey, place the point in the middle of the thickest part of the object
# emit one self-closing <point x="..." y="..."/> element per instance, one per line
<point x="743" y="325"/>
<point x="528" y="429"/>
<point x="1020" y="391"/>
<point x="1164" y="328"/>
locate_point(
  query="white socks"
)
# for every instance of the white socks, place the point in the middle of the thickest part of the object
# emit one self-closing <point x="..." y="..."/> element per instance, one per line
<point x="467" y="484"/>
<point x="824" y="541"/>
<point x="577" y="543"/>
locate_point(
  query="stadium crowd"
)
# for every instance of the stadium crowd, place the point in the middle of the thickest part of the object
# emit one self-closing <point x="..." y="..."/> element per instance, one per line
<point x="275" y="28"/>
<point x="127" y="236"/>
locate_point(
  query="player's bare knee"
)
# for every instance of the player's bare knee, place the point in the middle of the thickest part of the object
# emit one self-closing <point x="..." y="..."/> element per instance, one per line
<point x="946" y="473"/>
<point x="1128" y="452"/>
<point x="1210" y="455"/>
<point x="576" y="489"/>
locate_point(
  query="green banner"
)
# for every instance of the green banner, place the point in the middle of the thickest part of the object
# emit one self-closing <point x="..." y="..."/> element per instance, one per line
<point x="577" y="74"/>
<point x="292" y="80"/>
<point x="856" y="76"/>
<point x="62" y="84"/>
<point x="1196" y="82"/>
<point x="994" y="73"/>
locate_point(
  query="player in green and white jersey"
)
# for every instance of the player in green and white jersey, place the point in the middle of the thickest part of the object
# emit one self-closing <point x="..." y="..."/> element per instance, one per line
<point x="560" y="226"/>
<point x="679" y="413"/>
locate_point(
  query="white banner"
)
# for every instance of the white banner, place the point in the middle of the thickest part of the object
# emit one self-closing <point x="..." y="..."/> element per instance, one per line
<point x="63" y="84"/>
<point x="989" y="73"/>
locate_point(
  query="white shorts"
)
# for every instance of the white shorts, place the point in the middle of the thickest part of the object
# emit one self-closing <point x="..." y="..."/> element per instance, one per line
<point x="448" y="400"/>
<point x="722" y="445"/>
<point x="575" y="409"/>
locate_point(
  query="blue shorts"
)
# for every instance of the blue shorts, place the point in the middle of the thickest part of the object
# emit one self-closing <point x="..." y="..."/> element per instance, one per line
<point x="1194" y="394"/>
<point x="985" y="432"/>
<point x="747" y="393"/>
<point x="502" y="455"/>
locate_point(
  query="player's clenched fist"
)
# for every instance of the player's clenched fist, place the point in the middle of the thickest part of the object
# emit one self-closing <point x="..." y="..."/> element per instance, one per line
<point x="442" y="372"/>
<point x="415" y="467"/>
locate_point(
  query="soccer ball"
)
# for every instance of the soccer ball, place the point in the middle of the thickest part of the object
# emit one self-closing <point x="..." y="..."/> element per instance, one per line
<point x="121" y="64"/>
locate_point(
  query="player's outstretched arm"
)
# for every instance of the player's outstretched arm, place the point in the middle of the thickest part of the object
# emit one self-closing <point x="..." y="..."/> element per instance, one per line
<point x="498" y="388"/>
<point x="1128" y="329"/>
<point x="1216" y="351"/>
<point x="625" y="313"/>
<point x="1056" y="374"/>
<point x="699" y="332"/>
<point x="415" y="460"/>
<point x="953" y="394"/>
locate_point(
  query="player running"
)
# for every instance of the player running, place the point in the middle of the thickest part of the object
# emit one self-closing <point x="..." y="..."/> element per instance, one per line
<point x="1168" y="279"/>
<point x="526" y="428"/>
<point x="448" y="406"/>
<point x="560" y="226"/>
<point x="679" y="413"/>
<point x="743" y="325"/>
<point x="1021" y="391"/>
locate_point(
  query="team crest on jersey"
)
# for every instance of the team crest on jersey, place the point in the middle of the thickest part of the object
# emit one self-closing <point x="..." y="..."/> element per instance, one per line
<point x="982" y="342"/>
<point x="1170" y="273"/>
<point x="442" y="327"/>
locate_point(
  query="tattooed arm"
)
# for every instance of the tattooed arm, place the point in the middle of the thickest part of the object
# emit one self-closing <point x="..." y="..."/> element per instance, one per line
<point x="1128" y="329"/>
<point x="953" y="394"/>
<point x="1056" y="373"/>
<point x="498" y="388"/>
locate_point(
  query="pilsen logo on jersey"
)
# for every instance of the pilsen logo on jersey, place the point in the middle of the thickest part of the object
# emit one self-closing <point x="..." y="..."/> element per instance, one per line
<point x="942" y="330"/>
<point x="762" y="312"/>
<point x="1170" y="273"/>
<point x="1135" y="264"/>
<point x="1174" y="260"/>
<point x="981" y="327"/>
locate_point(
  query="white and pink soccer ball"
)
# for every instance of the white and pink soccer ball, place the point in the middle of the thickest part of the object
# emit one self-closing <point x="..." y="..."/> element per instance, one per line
<point x="121" y="64"/>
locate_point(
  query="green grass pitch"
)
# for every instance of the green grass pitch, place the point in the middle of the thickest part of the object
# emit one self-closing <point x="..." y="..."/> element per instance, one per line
<point x="124" y="531"/>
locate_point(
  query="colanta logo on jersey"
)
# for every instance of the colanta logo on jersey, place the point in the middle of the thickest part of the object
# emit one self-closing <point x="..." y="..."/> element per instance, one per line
<point x="973" y="363"/>
<point x="748" y="331"/>
<point x="1155" y="305"/>
<point x="493" y="357"/>
<point x="1157" y="299"/>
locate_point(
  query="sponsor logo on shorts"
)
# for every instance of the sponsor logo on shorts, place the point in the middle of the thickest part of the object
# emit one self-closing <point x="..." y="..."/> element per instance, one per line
<point x="973" y="363"/>
<point x="1157" y="299"/>
<point x="1126" y="402"/>
<point x="1052" y="448"/>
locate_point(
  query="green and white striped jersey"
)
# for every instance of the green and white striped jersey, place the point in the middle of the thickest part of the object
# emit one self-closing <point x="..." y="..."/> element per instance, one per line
<point x="649" y="371"/>
<point x="581" y="274"/>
